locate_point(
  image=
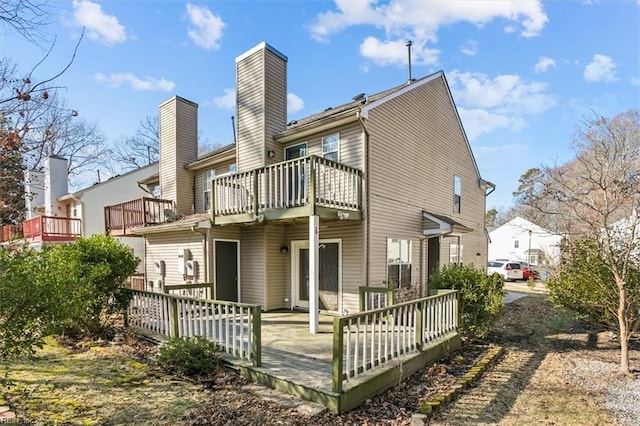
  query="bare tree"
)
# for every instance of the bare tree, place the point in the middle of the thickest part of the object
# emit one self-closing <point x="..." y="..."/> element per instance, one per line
<point x="27" y="18"/>
<point x="596" y="196"/>
<point x="138" y="150"/>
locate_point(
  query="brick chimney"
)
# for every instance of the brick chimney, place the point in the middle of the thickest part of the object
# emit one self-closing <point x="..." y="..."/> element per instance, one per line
<point x="261" y="105"/>
<point x="178" y="125"/>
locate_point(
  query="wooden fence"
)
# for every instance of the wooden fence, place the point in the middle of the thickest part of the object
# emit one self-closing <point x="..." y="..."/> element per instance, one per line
<point x="235" y="327"/>
<point x="371" y="339"/>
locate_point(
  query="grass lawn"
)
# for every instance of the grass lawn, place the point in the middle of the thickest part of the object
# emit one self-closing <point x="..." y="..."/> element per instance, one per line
<point x="98" y="385"/>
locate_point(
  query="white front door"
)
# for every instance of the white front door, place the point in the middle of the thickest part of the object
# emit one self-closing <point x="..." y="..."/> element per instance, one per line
<point x="330" y="264"/>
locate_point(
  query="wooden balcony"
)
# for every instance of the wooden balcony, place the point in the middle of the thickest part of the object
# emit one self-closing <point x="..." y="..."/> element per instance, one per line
<point x="10" y="233"/>
<point x="120" y="219"/>
<point x="52" y="229"/>
<point x="296" y="188"/>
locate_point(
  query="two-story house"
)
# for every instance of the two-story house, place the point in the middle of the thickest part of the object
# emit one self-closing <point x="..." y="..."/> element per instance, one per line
<point x="379" y="191"/>
<point x="520" y="239"/>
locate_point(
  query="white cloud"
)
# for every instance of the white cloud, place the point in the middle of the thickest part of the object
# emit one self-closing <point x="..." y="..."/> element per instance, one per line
<point x="395" y="52"/>
<point x="294" y="103"/>
<point x="206" y="28"/>
<point x="136" y="83"/>
<point x="420" y="21"/>
<point x="506" y="101"/>
<point x="100" y="27"/>
<point x="544" y="64"/>
<point x="470" y="48"/>
<point x="601" y="69"/>
<point x="480" y="121"/>
<point x="425" y="18"/>
<point x="226" y="101"/>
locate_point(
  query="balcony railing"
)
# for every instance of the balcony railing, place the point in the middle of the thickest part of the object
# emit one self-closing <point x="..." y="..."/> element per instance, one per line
<point x="119" y="219"/>
<point x="51" y="228"/>
<point x="10" y="233"/>
<point x="306" y="184"/>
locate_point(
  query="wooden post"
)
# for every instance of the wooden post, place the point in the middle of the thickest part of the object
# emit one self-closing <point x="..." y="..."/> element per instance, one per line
<point x="256" y="327"/>
<point x="338" y="349"/>
<point x="314" y="272"/>
<point x="312" y="185"/>
<point x="420" y="308"/>
<point x="173" y="316"/>
<point x="255" y="193"/>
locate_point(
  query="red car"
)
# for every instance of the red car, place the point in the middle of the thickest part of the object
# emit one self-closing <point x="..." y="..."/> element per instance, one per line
<point x="528" y="271"/>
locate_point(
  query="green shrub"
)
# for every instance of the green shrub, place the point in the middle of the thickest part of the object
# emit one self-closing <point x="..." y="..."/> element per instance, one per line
<point x="481" y="296"/>
<point x="98" y="266"/>
<point x="191" y="357"/>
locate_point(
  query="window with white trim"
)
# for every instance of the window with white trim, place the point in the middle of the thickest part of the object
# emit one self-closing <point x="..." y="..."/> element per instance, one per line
<point x="455" y="252"/>
<point x="398" y="263"/>
<point x="457" y="193"/>
<point x="233" y="169"/>
<point x="331" y="147"/>
<point x="516" y="244"/>
<point x="207" y="177"/>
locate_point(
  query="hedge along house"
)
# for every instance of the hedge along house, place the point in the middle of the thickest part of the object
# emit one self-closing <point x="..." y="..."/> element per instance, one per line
<point x="377" y="192"/>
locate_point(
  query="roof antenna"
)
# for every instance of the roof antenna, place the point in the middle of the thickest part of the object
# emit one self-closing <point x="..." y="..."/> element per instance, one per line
<point x="409" y="43"/>
<point x="233" y="127"/>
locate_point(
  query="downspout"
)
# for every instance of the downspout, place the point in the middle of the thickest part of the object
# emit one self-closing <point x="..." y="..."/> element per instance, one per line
<point x="365" y="194"/>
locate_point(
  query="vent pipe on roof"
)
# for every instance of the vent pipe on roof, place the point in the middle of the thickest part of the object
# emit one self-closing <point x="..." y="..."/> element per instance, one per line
<point x="233" y="127"/>
<point x="409" y="43"/>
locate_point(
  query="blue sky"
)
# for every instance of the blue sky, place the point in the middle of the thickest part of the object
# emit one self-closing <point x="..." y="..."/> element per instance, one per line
<point x="524" y="74"/>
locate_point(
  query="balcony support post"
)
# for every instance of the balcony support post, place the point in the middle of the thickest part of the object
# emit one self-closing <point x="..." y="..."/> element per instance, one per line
<point x="314" y="272"/>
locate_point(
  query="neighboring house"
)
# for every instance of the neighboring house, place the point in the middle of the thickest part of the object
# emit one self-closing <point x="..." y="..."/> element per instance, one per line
<point x="54" y="215"/>
<point x="522" y="240"/>
<point x="377" y="192"/>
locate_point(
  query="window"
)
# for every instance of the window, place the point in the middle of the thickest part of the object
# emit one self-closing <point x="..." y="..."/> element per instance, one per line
<point x="398" y="263"/>
<point x="516" y="244"/>
<point x="455" y="252"/>
<point x="208" y="177"/>
<point x="233" y="169"/>
<point x="331" y="147"/>
<point x="457" y="193"/>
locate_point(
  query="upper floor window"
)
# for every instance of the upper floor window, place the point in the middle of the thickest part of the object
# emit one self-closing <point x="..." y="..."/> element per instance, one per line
<point x="233" y="169"/>
<point x="457" y="193"/>
<point x="331" y="147"/>
<point x="516" y="244"/>
<point x="208" y="177"/>
<point x="398" y="263"/>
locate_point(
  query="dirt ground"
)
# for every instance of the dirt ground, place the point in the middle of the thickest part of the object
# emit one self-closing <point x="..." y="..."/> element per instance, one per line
<point x="530" y="384"/>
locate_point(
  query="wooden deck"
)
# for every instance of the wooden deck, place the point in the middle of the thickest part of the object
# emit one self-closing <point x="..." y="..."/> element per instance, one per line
<point x="351" y="359"/>
<point x="300" y="363"/>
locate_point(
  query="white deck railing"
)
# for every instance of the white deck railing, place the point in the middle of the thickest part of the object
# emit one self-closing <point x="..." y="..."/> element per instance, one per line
<point x="235" y="327"/>
<point x="371" y="339"/>
<point x="294" y="183"/>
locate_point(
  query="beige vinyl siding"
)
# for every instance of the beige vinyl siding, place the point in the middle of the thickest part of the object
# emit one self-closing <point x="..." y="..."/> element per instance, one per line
<point x="351" y="144"/>
<point x="220" y="169"/>
<point x="352" y="255"/>
<point x="416" y="147"/>
<point x="165" y="247"/>
<point x="276" y="101"/>
<point x="278" y="282"/>
<point x="252" y="265"/>
<point x="261" y="105"/>
<point x="178" y="146"/>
